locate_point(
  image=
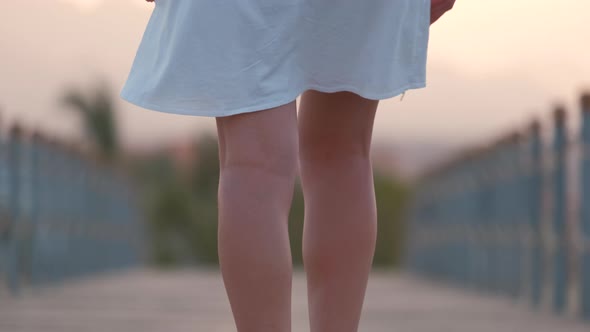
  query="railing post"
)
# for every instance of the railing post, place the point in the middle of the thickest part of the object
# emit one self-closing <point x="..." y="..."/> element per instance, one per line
<point x="480" y="234"/>
<point x="4" y="207"/>
<point x="3" y="219"/>
<point x="509" y="241"/>
<point x="560" y="266"/>
<point x="494" y="225"/>
<point x="488" y="201"/>
<point x="502" y="218"/>
<point x="585" y="208"/>
<point x="522" y="223"/>
<point x="515" y="197"/>
<point x="535" y="195"/>
<point x="41" y="192"/>
<point x="469" y="243"/>
<point x="53" y="207"/>
<point x="71" y="195"/>
<point x="81" y="213"/>
<point x="13" y="264"/>
<point x="31" y="203"/>
<point x="27" y="205"/>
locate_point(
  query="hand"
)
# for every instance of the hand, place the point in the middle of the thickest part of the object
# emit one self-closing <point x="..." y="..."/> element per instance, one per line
<point x="438" y="8"/>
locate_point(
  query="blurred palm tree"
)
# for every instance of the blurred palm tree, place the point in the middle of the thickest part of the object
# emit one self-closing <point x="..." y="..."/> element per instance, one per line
<point x="97" y="113"/>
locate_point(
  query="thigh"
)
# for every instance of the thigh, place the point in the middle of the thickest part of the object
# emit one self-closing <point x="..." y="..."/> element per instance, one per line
<point x="263" y="139"/>
<point x="335" y="125"/>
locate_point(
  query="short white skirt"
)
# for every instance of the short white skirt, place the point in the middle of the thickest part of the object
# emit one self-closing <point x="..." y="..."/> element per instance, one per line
<point x="224" y="57"/>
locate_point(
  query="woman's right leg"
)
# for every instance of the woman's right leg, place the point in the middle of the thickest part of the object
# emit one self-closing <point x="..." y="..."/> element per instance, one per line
<point x="258" y="165"/>
<point x="340" y="226"/>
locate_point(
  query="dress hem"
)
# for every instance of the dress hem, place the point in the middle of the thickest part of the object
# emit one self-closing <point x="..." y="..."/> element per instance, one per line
<point x="183" y="111"/>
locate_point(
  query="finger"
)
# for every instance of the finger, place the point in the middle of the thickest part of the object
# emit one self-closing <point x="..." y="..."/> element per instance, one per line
<point x="435" y="15"/>
<point x="442" y="6"/>
<point x="438" y="10"/>
<point x="434" y="18"/>
<point x="435" y="3"/>
<point x="442" y="3"/>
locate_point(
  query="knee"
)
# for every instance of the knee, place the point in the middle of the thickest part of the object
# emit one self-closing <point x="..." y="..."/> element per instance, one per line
<point x="278" y="157"/>
<point x="333" y="151"/>
<point x="264" y="141"/>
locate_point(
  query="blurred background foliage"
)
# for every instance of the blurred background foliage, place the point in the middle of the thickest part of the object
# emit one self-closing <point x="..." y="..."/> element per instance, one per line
<point x="181" y="202"/>
<point x="183" y="212"/>
<point x="96" y="114"/>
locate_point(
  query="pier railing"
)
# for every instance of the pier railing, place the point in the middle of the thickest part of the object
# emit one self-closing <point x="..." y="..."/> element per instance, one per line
<point x="63" y="213"/>
<point x="512" y="217"/>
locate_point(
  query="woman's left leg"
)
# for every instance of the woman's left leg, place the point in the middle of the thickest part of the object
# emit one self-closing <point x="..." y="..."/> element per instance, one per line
<point x="258" y="161"/>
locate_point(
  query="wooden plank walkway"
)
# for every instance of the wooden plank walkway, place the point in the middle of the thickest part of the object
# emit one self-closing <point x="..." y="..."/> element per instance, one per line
<point x="195" y="300"/>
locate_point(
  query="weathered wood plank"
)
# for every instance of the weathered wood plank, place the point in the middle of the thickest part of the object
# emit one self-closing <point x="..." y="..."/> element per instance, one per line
<point x="195" y="300"/>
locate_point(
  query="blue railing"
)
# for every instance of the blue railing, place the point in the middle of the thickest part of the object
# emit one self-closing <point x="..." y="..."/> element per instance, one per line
<point x="512" y="217"/>
<point x="63" y="213"/>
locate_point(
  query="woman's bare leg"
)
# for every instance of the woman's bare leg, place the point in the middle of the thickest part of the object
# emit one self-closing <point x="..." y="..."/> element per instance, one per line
<point x="340" y="223"/>
<point x="258" y="166"/>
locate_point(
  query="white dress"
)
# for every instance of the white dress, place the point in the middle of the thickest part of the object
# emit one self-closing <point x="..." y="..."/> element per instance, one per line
<point x="224" y="57"/>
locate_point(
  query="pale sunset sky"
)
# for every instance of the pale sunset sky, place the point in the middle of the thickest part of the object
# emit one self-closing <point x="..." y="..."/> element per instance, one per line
<point x="492" y="65"/>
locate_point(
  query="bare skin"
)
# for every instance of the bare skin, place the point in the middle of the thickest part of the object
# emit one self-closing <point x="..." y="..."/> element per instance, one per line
<point x="340" y="223"/>
<point x="438" y="8"/>
<point x="260" y="155"/>
<point x="258" y="161"/>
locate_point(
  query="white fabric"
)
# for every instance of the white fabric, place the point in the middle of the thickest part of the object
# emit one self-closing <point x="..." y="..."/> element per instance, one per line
<point x="224" y="57"/>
